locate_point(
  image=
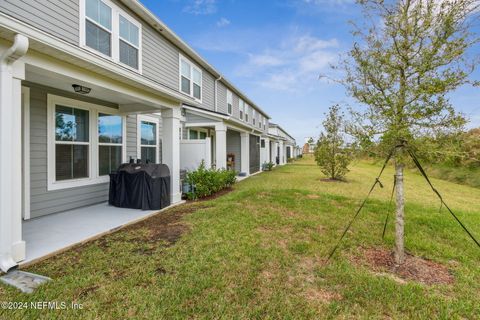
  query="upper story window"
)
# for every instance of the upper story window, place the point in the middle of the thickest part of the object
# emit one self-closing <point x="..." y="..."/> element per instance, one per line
<point x="242" y="108"/>
<point x="129" y="42"/>
<point x="106" y="29"/>
<point x="264" y="123"/>
<point x="247" y="111"/>
<point x="190" y="79"/>
<point x="260" y="121"/>
<point x="229" y="102"/>
<point x="253" y="116"/>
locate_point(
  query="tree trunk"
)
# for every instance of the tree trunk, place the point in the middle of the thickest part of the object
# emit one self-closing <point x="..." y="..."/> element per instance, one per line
<point x="399" y="216"/>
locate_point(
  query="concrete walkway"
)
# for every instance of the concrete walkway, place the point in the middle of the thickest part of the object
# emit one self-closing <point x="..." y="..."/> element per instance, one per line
<point x="51" y="233"/>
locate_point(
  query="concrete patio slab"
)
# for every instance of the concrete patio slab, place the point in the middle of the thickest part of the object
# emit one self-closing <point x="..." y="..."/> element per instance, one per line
<point x="49" y="234"/>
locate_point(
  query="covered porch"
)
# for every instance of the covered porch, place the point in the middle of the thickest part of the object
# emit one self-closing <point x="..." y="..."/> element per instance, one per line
<point x="45" y="203"/>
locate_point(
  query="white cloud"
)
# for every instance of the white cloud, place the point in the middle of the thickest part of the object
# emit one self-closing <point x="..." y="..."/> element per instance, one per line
<point x="223" y="22"/>
<point x="201" y="7"/>
<point x="293" y="65"/>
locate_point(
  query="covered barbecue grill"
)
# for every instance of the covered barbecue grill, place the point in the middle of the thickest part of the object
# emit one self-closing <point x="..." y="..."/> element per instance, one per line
<point x="140" y="186"/>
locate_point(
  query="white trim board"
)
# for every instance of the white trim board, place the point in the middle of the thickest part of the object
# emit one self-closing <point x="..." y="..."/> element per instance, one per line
<point x="26" y="151"/>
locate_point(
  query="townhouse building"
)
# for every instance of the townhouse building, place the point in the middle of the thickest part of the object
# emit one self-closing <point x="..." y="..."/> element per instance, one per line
<point x="86" y="85"/>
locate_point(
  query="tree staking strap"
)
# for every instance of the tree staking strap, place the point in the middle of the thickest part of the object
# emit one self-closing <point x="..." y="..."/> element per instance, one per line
<point x="377" y="181"/>
<point x="389" y="206"/>
<point x="424" y="174"/>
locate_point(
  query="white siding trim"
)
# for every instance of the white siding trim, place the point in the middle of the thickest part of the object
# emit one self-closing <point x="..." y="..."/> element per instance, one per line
<point x="26" y="152"/>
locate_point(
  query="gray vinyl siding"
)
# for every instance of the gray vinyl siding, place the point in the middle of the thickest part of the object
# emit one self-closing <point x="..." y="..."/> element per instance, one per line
<point x="208" y="91"/>
<point x="56" y="17"/>
<point x="234" y="146"/>
<point x="132" y="136"/>
<point x="160" y="58"/>
<point x="222" y="98"/>
<point x="194" y="118"/>
<point x="44" y="202"/>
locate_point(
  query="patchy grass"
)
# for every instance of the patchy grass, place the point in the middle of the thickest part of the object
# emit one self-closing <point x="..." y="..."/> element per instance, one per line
<point x="259" y="252"/>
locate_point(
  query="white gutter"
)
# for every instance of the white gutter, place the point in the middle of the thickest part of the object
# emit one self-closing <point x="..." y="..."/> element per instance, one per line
<point x="12" y="54"/>
<point x="216" y="92"/>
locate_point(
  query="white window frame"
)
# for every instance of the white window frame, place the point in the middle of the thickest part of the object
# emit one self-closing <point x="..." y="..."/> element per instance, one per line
<point x="109" y="144"/>
<point x="198" y="130"/>
<point x="192" y="67"/>
<point x="150" y="119"/>
<point x="247" y="112"/>
<point x="254" y="115"/>
<point x="115" y="34"/>
<point x="230" y="101"/>
<point x="93" y="162"/>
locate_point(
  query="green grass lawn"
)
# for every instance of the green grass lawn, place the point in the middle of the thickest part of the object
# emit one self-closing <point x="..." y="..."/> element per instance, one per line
<point x="257" y="252"/>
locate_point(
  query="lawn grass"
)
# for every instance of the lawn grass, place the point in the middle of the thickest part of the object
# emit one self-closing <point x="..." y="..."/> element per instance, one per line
<point x="257" y="252"/>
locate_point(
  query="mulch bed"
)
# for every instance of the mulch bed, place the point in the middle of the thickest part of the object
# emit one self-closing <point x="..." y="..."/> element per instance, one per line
<point x="213" y="196"/>
<point x="414" y="269"/>
<point x="333" y="180"/>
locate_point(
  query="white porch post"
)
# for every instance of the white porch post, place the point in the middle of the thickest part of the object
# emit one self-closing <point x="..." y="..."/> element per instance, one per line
<point x="245" y="150"/>
<point x="12" y="248"/>
<point x="282" y="152"/>
<point x="171" y="150"/>
<point x="221" y="146"/>
<point x="267" y="150"/>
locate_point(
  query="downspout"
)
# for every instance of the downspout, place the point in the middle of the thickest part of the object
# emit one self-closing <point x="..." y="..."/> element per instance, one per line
<point x="12" y="54"/>
<point x="216" y="91"/>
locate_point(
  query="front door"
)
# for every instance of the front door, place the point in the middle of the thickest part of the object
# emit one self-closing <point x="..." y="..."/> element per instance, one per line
<point x="254" y="154"/>
<point x="289" y="153"/>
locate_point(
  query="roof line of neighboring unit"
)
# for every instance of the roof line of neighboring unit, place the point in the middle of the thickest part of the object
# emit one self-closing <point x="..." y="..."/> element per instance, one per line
<point x="278" y="126"/>
<point x="161" y="27"/>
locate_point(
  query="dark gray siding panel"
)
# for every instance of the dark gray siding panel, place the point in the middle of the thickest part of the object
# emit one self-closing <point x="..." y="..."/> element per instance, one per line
<point x="56" y="17"/>
<point x="222" y="98"/>
<point x="160" y="58"/>
<point x="234" y="146"/>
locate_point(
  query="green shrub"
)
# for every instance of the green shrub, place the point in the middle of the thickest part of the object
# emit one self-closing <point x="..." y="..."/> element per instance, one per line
<point x="205" y="182"/>
<point x="267" y="166"/>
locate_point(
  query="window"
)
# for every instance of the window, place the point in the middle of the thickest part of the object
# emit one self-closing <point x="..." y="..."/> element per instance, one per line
<point x="242" y="108"/>
<point x="190" y="79"/>
<point x="72" y="143"/>
<point x="229" y="102"/>
<point x="129" y="43"/>
<point x="197" y="134"/>
<point x="85" y="142"/>
<point x="247" y="111"/>
<point x="260" y="121"/>
<point x="263" y="143"/>
<point x="110" y="143"/>
<point x="148" y="139"/>
<point x="98" y="26"/>
<point x="253" y="116"/>
<point x="106" y="29"/>
<point x="264" y="123"/>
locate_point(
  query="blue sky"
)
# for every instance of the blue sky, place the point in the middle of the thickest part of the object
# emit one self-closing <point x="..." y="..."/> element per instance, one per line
<point x="274" y="50"/>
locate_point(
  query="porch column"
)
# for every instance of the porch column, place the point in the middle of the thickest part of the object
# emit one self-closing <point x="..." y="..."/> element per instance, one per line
<point x="12" y="248"/>
<point x="267" y="150"/>
<point x="282" y="152"/>
<point x="171" y="150"/>
<point x="221" y="146"/>
<point x="245" y="150"/>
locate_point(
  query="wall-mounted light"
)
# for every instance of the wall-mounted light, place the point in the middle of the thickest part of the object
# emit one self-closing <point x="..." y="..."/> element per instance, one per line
<point x="81" y="89"/>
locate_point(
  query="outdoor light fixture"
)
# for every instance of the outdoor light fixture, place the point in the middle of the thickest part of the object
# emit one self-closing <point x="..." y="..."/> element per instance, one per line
<point x="81" y="89"/>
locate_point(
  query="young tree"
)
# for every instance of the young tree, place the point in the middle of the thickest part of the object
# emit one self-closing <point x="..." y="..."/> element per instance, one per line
<point x="409" y="57"/>
<point x="330" y="152"/>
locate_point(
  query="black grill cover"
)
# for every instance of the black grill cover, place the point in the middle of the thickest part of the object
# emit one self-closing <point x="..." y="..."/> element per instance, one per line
<point x="140" y="186"/>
